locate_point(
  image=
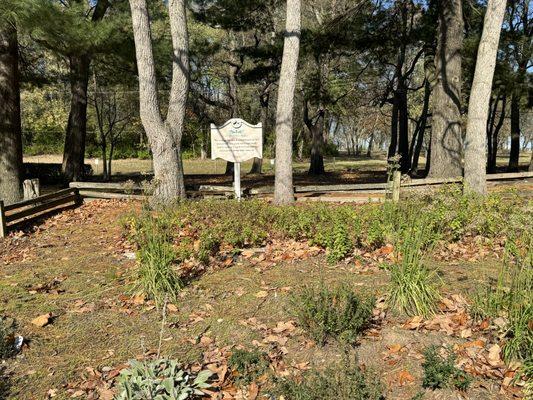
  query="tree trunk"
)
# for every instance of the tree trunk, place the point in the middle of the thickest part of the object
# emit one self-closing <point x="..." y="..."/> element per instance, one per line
<point x="11" y="166"/>
<point x="264" y="99"/>
<point x="446" y="123"/>
<point x="110" y="160"/>
<point x="283" y="187"/>
<point x="104" y="158"/>
<point x="316" y="166"/>
<point x="403" y="131"/>
<point x="421" y="129"/>
<point x="394" y="129"/>
<point x="514" y="155"/>
<point x="370" y="143"/>
<point x="164" y="136"/>
<point x="478" y="107"/>
<point x="493" y="139"/>
<point x="74" y="151"/>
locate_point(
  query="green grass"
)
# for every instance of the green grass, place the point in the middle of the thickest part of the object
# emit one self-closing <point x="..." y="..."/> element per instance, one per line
<point x="440" y="372"/>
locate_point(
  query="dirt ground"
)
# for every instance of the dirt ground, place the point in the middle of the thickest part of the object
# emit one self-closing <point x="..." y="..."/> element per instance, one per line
<point x="78" y="267"/>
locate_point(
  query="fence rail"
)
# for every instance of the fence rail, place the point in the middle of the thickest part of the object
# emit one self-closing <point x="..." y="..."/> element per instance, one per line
<point x="28" y="210"/>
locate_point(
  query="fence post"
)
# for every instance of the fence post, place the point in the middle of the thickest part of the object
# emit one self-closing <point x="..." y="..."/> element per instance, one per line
<point x="3" y="226"/>
<point x="396" y="178"/>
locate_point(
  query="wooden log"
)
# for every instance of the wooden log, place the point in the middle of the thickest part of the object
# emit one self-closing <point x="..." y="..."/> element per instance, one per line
<point x="27" y="212"/>
<point x="39" y="199"/>
<point x="340" y="188"/>
<point x="106" y="186"/>
<point x="3" y="223"/>
<point x="107" y="195"/>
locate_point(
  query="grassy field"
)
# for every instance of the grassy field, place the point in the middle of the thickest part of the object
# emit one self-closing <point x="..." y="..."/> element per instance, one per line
<point x="214" y="167"/>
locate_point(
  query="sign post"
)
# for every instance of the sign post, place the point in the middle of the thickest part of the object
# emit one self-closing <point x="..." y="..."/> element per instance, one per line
<point x="236" y="141"/>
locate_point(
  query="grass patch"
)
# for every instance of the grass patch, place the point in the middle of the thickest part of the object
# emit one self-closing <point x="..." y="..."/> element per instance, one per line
<point x="441" y="372"/>
<point x="345" y="381"/>
<point x="337" y="313"/>
<point x="413" y="289"/>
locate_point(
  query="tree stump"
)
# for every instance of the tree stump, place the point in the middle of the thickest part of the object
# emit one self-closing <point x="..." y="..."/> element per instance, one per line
<point x="31" y="188"/>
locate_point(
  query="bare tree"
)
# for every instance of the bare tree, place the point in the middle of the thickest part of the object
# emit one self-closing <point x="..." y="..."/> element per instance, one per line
<point x="478" y="107"/>
<point x="446" y="139"/>
<point x="10" y="131"/>
<point x="164" y="135"/>
<point x="283" y="189"/>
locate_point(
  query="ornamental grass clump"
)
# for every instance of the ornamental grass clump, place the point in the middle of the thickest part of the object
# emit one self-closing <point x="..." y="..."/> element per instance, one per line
<point x="413" y="289"/>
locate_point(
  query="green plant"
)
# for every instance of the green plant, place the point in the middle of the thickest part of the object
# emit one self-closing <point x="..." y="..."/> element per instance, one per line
<point x="413" y="290"/>
<point x="7" y="339"/>
<point x="156" y="275"/>
<point x="527" y="371"/>
<point x="441" y="372"/>
<point x="345" y="381"/>
<point x="160" y="379"/>
<point x="337" y="313"/>
<point x="247" y="366"/>
<point x="511" y="296"/>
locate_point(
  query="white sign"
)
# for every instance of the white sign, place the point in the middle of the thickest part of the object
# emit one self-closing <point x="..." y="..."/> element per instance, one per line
<point x="236" y="141"/>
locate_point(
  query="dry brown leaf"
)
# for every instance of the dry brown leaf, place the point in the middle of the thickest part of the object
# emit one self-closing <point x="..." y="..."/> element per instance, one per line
<point x="253" y="391"/>
<point x="405" y="377"/>
<point x="42" y="320"/>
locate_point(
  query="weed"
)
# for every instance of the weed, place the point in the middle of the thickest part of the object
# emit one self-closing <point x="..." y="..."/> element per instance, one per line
<point x="441" y="372"/>
<point x="337" y="313"/>
<point x="160" y="379"/>
<point x="345" y="381"/>
<point x="248" y="365"/>
<point x="413" y="290"/>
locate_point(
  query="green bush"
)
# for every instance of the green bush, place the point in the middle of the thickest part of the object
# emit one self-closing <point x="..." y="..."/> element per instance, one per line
<point x="247" y="366"/>
<point x="413" y="289"/>
<point x="345" y="381"/>
<point x="160" y="379"/>
<point x="441" y="372"/>
<point x="337" y="313"/>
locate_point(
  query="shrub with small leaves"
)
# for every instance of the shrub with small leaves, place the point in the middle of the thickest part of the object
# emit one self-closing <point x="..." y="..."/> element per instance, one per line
<point x="441" y="372"/>
<point x="247" y="366"/>
<point x="345" y="381"/>
<point x="160" y="379"/>
<point x="337" y="313"/>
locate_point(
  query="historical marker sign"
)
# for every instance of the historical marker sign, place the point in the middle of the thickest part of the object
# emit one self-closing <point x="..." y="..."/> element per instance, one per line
<point x="236" y="141"/>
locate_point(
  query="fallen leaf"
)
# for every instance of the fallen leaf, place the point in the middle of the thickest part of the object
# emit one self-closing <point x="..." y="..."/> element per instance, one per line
<point x="261" y="294"/>
<point x="405" y="377"/>
<point x="253" y="391"/>
<point x="494" y="355"/>
<point x="42" y="320"/>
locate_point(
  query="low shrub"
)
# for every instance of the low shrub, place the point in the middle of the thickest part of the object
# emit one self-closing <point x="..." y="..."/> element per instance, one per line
<point x="247" y="366"/>
<point x="441" y="372"/>
<point x="337" y="313"/>
<point x="161" y="379"/>
<point x="345" y="381"/>
<point x="413" y="289"/>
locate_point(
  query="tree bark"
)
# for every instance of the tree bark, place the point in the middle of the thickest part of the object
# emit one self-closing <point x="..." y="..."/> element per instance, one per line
<point x="74" y="150"/>
<point x="421" y="129"/>
<point x="514" y="155"/>
<point x="11" y="167"/>
<point x="403" y="130"/>
<point x="316" y="166"/>
<point x="394" y="129"/>
<point x="478" y="107"/>
<point x="283" y="186"/>
<point x="164" y="136"/>
<point x="446" y="123"/>
<point x="264" y="99"/>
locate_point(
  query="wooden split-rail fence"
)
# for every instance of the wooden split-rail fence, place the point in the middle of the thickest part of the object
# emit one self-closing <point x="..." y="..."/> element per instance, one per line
<point x="30" y="209"/>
